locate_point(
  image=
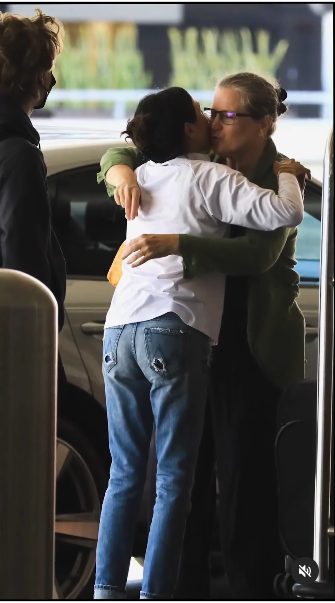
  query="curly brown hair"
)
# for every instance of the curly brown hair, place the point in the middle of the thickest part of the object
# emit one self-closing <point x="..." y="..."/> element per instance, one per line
<point x="28" y="47"/>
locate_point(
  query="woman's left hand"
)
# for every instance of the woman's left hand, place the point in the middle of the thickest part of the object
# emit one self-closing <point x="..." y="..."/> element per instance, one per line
<point x="150" y="246"/>
<point x="296" y="168"/>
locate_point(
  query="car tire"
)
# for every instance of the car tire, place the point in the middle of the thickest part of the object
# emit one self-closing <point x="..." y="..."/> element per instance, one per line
<point x="81" y="482"/>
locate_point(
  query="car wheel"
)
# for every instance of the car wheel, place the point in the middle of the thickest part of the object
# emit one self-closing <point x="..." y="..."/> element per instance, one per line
<point x="80" y="486"/>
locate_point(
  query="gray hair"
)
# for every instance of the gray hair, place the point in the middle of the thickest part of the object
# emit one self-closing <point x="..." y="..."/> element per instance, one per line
<point x="259" y="96"/>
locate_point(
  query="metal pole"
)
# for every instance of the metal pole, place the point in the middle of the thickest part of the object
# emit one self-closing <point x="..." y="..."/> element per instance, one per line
<point x="327" y="63"/>
<point x="322" y="510"/>
<point x="28" y="344"/>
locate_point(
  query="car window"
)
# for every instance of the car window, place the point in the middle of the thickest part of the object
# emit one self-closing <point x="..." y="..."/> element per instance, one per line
<point x="89" y="225"/>
<point x="309" y="235"/>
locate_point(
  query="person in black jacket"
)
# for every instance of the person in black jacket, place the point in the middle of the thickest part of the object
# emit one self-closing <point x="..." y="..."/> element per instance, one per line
<point x="28" y="48"/>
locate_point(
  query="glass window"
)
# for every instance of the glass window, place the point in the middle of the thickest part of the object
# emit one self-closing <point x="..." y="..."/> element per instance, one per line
<point x="309" y="235"/>
<point x="90" y="227"/>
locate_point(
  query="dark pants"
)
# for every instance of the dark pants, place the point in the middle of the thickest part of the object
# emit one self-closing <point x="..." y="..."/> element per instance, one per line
<point x="244" y="410"/>
<point x="243" y="406"/>
<point x="194" y="574"/>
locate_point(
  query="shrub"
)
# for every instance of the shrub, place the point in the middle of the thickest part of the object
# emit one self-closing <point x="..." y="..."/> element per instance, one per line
<point x="97" y="57"/>
<point x="200" y="58"/>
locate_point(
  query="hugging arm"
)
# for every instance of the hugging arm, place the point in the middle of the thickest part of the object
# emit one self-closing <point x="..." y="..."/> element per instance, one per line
<point x="237" y="202"/>
<point x="254" y="253"/>
<point x="113" y="163"/>
<point x="231" y="198"/>
<point x="117" y="171"/>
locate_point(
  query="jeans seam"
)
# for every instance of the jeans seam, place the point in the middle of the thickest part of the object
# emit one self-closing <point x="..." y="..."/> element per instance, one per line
<point x="164" y="317"/>
<point x="108" y="587"/>
<point x="144" y="592"/>
<point x="133" y="346"/>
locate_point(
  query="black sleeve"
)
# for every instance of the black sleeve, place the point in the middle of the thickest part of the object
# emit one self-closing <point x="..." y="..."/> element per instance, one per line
<point x="25" y="213"/>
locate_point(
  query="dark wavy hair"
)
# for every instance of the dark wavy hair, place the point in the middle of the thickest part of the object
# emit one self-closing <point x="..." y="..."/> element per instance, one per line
<point x="28" y="47"/>
<point x="157" y="128"/>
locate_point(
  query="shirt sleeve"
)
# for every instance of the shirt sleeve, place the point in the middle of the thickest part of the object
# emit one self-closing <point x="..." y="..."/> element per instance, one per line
<point x="25" y="216"/>
<point x="129" y="156"/>
<point x="231" y="198"/>
<point x="254" y="253"/>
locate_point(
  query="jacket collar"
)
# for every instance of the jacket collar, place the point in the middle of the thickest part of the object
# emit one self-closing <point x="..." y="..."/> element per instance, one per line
<point x="15" y="122"/>
<point x="263" y="168"/>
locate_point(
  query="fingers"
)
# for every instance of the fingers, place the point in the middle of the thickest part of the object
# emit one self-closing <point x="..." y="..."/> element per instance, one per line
<point x="135" y="203"/>
<point x="284" y="161"/>
<point x="136" y="254"/>
<point x="301" y="170"/>
<point x="126" y="253"/>
<point x="131" y="201"/>
<point x="132" y="247"/>
<point x="117" y="197"/>
<point x="138" y="251"/>
<point x="128" y="197"/>
<point x="138" y="259"/>
<point x="282" y="165"/>
<point x="293" y="167"/>
<point x="302" y="182"/>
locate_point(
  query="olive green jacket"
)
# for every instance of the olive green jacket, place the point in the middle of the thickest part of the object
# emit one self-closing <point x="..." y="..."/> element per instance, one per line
<point x="276" y="326"/>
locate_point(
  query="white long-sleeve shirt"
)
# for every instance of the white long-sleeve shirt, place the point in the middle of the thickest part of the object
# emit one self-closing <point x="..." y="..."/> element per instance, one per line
<point x="191" y="195"/>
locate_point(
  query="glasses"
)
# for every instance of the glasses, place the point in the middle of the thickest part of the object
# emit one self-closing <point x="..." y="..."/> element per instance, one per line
<point x="225" y="117"/>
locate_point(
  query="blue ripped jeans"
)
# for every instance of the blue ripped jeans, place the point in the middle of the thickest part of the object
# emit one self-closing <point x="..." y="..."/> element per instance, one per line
<point x="154" y="371"/>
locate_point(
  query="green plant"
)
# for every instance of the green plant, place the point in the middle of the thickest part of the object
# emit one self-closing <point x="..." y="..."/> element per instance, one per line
<point x="97" y="59"/>
<point x="200" y="58"/>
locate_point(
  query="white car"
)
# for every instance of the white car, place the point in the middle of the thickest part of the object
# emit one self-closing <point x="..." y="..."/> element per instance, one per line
<point x="90" y="228"/>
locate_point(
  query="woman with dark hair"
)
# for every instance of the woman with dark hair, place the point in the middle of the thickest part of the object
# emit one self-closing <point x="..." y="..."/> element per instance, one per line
<point x="28" y="50"/>
<point x="260" y="350"/>
<point x="159" y="329"/>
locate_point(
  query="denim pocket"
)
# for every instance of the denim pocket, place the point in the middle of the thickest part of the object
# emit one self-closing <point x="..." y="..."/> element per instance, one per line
<point x="166" y="350"/>
<point x="111" y="340"/>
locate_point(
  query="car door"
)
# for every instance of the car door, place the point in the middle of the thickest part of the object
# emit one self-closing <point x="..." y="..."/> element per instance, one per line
<point x="308" y="256"/>
<point x="90" y="228"/>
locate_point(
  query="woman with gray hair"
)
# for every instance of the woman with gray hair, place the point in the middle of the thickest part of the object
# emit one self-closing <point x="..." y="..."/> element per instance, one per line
<point x="260" y="350"/>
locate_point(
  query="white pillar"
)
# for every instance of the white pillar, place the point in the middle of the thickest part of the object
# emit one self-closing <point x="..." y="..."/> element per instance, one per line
<point x="28" y="384"/>
<point x="327" y="61"/>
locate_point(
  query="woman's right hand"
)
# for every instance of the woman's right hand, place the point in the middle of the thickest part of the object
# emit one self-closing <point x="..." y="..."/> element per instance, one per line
<point x="150" y="246"/>
<point x="128" y="195"/>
